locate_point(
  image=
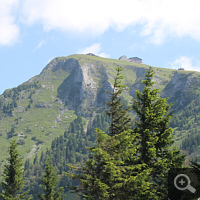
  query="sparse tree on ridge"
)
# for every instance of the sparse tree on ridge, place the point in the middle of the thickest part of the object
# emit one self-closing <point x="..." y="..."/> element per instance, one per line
<point x="13" y="176"/>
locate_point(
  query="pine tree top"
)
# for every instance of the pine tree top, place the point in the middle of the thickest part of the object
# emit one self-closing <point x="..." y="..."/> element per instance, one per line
<point x="119" y="117"/>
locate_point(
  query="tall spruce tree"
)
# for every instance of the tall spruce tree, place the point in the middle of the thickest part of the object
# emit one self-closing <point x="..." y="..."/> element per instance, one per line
<point x="13" y="176"/>
<point x="120" y="124"/>
<point x="49" y="182"/>
<point x="155" y="134"/>
<point x="119" y="118"/>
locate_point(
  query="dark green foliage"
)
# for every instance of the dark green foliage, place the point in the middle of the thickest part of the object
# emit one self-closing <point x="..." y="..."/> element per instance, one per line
<point x="191" y="142"/>
<point x="64" y="150"/>
<point x="14" y="103"/>
<point x="35" y="159"/>
<point x="6" y="94"/>
<point x="112" y="171"/>
<point x="29" y="105"/>
<point x="9" y="107"/>
<point x="53" y="144"/>
<point x="39" y="142"/>
<point x="119" y="119"/>
<point x="21" y="142"/>
<point x="92" y="125"/>
<point x="155" y="135"/>
<point x="65" y="134"/>
<point x="1" y="103"/>
<point x="15" y="92"/>
<point x="185" y="119"/>
<point x="49" y="182"/>
<point x="28" y="86"/>
<point x="42" y="157"/>
<point x="26" y="165"/>
<point x="33" y="138"/>
<point x="13" y="176"/>
<point x="30" y="96"/>
<point x="12" y="131"/>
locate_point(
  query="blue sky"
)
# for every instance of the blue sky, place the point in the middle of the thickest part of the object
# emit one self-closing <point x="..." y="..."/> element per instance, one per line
<point x="164" y="33"/>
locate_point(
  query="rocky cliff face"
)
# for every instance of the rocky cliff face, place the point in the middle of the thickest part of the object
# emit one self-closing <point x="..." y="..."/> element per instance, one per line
<point x="88" y="78"/>
<point x="85" y="86"/>
<point x="180" y="84"/>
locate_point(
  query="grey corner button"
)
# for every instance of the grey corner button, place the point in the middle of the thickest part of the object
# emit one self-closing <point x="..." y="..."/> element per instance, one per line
<point x="183" y="183"/>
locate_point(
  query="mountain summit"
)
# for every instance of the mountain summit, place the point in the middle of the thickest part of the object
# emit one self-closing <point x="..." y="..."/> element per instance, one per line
<point x="41" y="109"/>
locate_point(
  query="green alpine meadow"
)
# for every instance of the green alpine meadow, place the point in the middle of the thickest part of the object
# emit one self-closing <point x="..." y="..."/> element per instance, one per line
<point x="95" y="128"/>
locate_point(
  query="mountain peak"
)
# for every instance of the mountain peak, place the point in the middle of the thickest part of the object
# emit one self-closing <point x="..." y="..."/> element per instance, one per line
<point x="44" y="106"/>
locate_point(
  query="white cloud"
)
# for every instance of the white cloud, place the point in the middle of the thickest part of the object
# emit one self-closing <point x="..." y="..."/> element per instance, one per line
<point x="9" y="30"/>
<point x="39" y="45"/>
<point x="159" y="18"/>
<point x="186" y="63"/>
<point x="95" y="48"/>
<point x="169" y="17"/>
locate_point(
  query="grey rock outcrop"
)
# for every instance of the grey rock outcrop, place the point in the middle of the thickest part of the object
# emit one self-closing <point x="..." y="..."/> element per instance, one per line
<point x="81" y="88"/>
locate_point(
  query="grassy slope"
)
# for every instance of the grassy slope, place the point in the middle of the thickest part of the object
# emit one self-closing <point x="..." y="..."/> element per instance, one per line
<point x="41" y="121"/>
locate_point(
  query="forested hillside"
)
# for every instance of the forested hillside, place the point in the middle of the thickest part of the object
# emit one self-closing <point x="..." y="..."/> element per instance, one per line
<point x="71" y="147"/>
<point x="56" y="113"/>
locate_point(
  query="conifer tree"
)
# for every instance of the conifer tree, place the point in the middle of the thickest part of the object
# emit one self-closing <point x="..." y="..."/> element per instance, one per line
<point x="155" y="135"/>
<point x="13" y="176"/>
<point x="49" y="182"/>
<point x="119" y="119"/>
<point x="35" y="161"/>
<point x="65" y="134"/>
<point x="42" y="157"/>
<point x="12" y="131"/>
<point x="113" y="177"/>
<point x="27" y="164"/>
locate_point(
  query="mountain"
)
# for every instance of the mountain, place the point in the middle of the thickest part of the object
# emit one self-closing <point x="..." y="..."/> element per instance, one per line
<point x="43" y="108"/>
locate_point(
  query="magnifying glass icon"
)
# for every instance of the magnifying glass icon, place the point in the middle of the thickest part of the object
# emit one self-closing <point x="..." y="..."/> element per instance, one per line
<point x="188" y="186"/>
